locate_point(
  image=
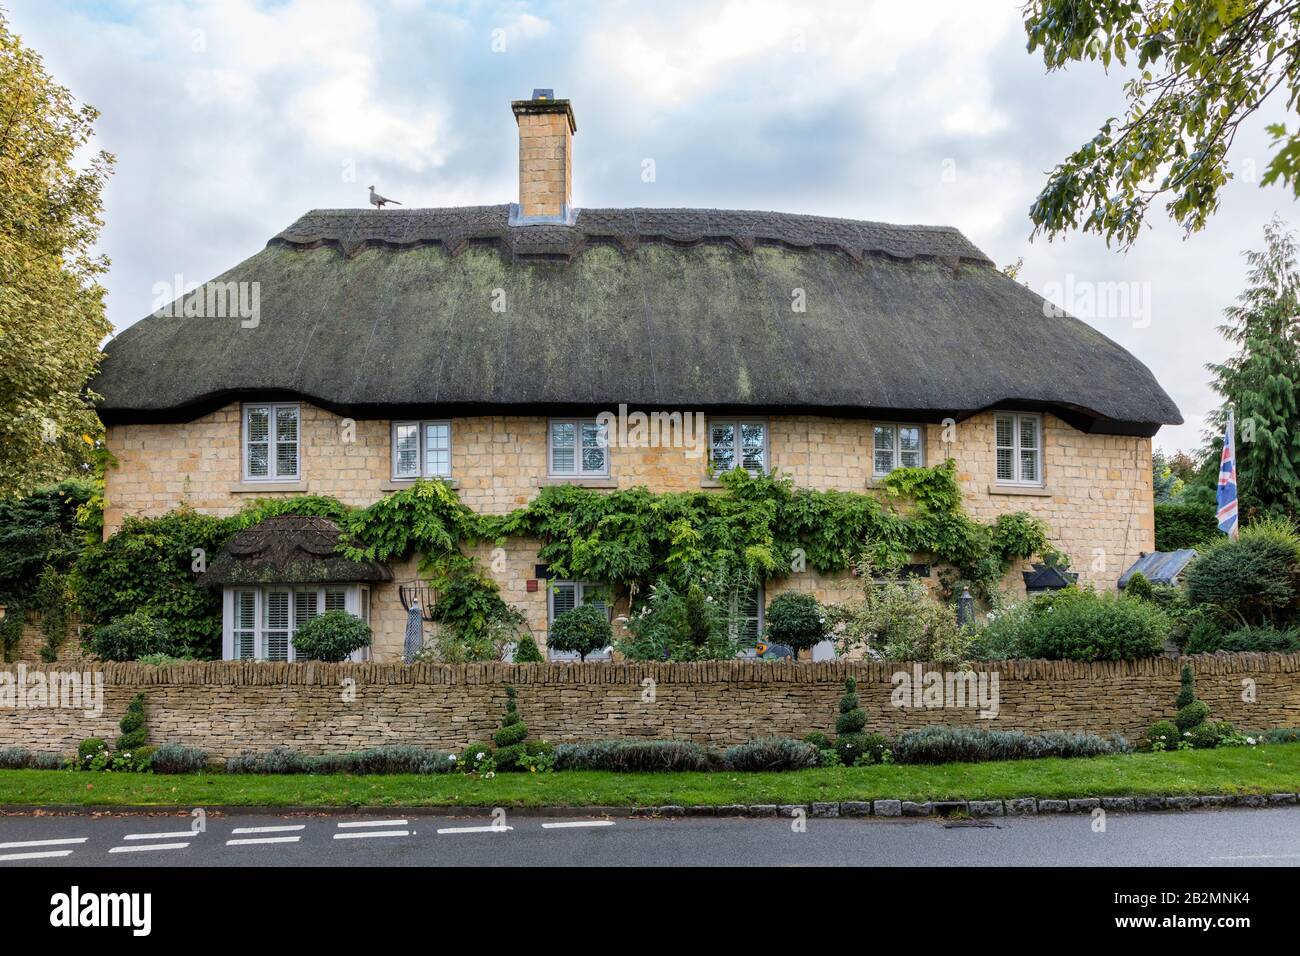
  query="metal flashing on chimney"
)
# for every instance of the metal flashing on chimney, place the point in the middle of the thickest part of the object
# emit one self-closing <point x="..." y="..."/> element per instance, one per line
<point x="568" y="217"/>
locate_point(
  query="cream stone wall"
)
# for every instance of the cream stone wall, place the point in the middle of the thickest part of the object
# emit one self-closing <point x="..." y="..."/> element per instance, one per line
<point x="1096" y="500"/>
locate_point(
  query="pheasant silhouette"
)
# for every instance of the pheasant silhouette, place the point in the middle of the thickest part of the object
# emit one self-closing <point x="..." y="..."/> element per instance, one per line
<point x="378" y="201"/>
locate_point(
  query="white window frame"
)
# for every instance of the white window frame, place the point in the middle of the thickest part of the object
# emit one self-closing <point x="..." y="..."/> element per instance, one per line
<point x="896" y="452"/>
<point x="578" y="470"/>
<point x="579" y="599"/>
<point x="738" y="444"/>
<point x="422" y="451"/>
<point x="272" y="439"/>
<point x="1017" y="472"/>
<point x="356" y="601"/>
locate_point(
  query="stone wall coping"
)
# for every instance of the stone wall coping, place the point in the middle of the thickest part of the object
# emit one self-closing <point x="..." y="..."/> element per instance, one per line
<point x="250" y="673"/>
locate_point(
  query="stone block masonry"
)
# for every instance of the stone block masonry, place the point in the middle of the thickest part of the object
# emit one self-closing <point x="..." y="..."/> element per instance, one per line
<point x="225" y="707"/>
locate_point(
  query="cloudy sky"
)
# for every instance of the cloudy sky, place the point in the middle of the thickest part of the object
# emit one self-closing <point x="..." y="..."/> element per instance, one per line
<point x="230" y="118"/>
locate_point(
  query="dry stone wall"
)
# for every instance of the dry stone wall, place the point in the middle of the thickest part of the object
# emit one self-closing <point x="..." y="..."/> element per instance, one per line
<point x="225" y="707"/>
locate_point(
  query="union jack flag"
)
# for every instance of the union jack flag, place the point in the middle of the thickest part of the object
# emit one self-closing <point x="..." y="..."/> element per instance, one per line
<point x="1228" y="483"/>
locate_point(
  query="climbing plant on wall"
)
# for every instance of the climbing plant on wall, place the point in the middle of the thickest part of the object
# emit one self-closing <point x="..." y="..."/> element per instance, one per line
<point x="755" y="528"/>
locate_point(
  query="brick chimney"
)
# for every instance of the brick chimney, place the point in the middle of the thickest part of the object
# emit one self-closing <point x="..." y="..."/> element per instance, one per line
<point x="546" y="129"/>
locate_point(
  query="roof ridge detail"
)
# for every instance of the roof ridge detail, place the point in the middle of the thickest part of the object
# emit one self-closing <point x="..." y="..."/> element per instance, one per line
<point x="352" y="230"/>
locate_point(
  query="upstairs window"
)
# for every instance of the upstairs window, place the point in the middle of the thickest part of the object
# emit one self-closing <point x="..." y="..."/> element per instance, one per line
<point x="896" y="446"/>
<point x="1019" y="439"/>
<point x="577" y="448"/>
<point x="738" y="444"/>
<point x="271" y="442"/>
<point x="421" y="450"/>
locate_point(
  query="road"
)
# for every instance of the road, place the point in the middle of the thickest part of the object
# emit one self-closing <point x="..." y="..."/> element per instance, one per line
<point x="1265" y="837"/>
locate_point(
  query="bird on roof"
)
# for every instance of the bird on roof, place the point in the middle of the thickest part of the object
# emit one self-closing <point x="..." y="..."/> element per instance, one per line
<point x="378" y="201"/>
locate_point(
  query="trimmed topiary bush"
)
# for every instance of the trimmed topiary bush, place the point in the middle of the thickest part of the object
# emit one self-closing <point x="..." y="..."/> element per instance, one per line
<point x="331" y="637"/>
<point x="771" y="753"/>
<point x="1191" y="711"/>
<point x="1163" y="735"/>
<point x="509" y="739"/>
<point x="134" y="732"/>
<point x="796" y="620"/>
<point x="852" y="718"/>
<point x="526" y="651"/>
<point x="582" y="630"/>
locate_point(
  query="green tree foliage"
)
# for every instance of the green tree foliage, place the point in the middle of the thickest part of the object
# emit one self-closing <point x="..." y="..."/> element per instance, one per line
<point x="331" y="636"/>
<point x="148" y="565"/>
<point x="129" y="637"/>
<point x="1253" y="581"/>
<point x="796" y="620"/>
<point x="43" y="529"/>
<point x="1262" y="380"/>
<point x="1164" y="483"/>
<point x="51" y="304"/>
<point x="674" y="626"/>
<point x="583" y="630"/>
<point x="1185" y="526"/>
<point x="1198" y="70"/>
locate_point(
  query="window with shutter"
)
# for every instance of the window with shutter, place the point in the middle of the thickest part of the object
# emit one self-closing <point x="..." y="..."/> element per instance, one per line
<point x="245" y="625"/>
<point x="304" y="609"/>
<point x="271" y="442"/>
<point x="738" y="443"/>
<point x="275" y="625"/>
<point x="577" y="448"/>
<point x="1018" y="440"/>
<point x="565" y="596"/>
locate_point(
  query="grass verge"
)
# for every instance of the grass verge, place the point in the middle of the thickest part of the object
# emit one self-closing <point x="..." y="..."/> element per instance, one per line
<point x="1270" y="769"/>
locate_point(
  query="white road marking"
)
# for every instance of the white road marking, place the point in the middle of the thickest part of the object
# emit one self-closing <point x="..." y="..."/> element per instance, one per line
<point x="287" y="829"/>
<point x="143" y="847"/>
<point x="1260" y="856"/>
<point x="577" y="823"/>
<point x="373" y="823"/>
<point x="161" y="836"/>
<point x="487" y="829"/>
<point x="63" y="842"/>
<point x="292" y="839"/>
<point x="35" y="856"/>
<point x="371" y="833"/>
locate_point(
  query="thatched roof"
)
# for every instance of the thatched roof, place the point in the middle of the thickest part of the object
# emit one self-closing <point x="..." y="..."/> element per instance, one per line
<point x="289" y="549"/>
<point x="384" y="313"/>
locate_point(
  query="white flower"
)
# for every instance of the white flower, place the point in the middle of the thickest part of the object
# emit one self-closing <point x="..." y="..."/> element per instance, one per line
<point x="1251" y="741"/>
<point x="489" y="775"/>
<point x="480" y="755"/>
<point x="1187" y="733"/>
<point x="709" y="599"/>
<point x="451" y="757"/>
<point x="821" y="620"/>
